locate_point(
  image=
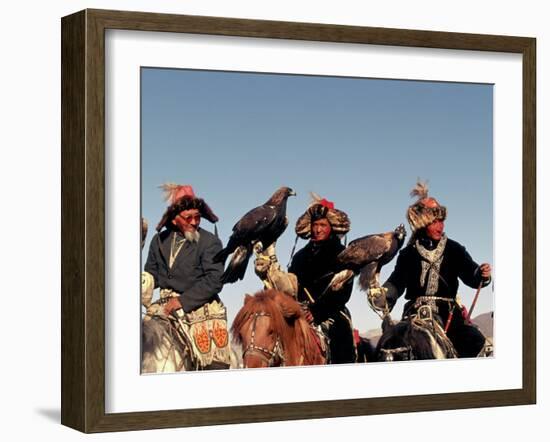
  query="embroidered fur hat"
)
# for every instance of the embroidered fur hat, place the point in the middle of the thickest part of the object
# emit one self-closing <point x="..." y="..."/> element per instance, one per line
<point x="425" y="210"/>
<point x="183" y="198"/>
<point x="318" y="209"/>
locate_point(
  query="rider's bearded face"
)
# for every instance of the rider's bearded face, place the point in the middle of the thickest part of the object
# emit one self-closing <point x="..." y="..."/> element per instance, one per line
<point x="187" y="221"/>
<point x="320" y="230"/>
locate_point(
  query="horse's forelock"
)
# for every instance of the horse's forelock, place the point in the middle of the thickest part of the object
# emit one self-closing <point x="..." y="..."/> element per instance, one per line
<point x="393" y="335"/>
<point x="261" y="302"/>
<point x="286" y="321"/>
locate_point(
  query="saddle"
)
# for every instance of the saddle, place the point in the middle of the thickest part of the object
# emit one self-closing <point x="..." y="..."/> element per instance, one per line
<point x="201" y="333"/>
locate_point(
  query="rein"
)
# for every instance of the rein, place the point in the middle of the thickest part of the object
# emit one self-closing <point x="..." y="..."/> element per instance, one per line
<point x="270" y="356"/>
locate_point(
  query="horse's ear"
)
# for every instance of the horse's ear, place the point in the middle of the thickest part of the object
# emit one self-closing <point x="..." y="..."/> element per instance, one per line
<point x="387" y="323"/>
<point x="289" y="307"/>
<point x="247" y="298"/>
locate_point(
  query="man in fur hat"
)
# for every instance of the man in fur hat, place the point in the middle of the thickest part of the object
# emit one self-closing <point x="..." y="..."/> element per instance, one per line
<point x="180" y="262"/>
<point x="314" y="266"/>
<point x="429" y="268"/>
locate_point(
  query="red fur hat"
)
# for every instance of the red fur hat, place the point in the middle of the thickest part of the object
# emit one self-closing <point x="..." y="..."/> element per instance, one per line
<point x="182" y="197"/>
<point x="318" y="209"/>
<point x="425" y="210"/>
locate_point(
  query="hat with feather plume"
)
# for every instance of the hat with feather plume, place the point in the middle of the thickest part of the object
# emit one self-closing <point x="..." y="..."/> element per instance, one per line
<point x="426" y="209"/>
<point x="322" y="208"/>
<point x="182" y="197"/>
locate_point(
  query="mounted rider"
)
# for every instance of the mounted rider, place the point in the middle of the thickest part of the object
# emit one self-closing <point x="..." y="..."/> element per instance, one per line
<point x="314" y="265"/>
<point x="180" y="263"/>
<point x="428" y="270"/>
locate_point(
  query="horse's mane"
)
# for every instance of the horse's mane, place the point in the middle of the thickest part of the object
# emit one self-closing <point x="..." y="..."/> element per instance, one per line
<point x="287" y="321"/>
<point x="152" y="333"/>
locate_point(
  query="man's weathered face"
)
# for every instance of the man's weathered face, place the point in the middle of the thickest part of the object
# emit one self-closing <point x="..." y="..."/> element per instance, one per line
<point x="320" y="230"/>
<point x="436" y="228"/>
<point x="187" y="220"/>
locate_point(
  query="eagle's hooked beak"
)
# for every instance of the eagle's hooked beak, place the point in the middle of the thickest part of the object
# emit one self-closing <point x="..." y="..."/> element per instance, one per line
<point x="291" y="193"/>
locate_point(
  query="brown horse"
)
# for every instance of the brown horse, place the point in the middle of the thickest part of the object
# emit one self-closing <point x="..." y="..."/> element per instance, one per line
<point x="273" y="332"/>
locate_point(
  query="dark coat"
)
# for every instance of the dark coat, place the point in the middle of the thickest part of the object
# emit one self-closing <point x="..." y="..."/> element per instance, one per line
<point x="314" y="266"/>
<point x="457" y="264"/>
<point x="194" y="274"/>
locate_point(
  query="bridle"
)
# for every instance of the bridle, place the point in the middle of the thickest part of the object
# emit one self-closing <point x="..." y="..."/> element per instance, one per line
<point x="389" y="353"/>
<point x="270" y="356"/>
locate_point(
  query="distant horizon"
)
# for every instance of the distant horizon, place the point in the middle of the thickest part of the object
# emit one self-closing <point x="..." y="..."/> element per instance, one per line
<point x="362" y="143"/>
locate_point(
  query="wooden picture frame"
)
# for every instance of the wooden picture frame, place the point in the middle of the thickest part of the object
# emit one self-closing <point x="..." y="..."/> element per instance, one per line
<point x="83" y="220"/>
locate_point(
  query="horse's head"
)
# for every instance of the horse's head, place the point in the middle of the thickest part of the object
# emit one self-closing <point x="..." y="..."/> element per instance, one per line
<point x="272" y="331"/>
<point x="261" y="343"/>
<point x="394" y="344"/>
<point x="409" y="339"/>
<point x="262" y="326"/>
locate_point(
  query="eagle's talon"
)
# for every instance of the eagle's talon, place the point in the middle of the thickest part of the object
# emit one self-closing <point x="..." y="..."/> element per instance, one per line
<point x="378" y="301"/>
<point x="377" y="292"/>
<point x="258" y="248"/>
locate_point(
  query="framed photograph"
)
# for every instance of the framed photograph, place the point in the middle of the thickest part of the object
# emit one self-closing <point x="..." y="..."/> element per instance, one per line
<point x="235" y="109"/>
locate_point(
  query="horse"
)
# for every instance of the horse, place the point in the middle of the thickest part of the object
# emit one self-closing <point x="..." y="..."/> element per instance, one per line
<point x="272" y="331"/>
<point x="163" y="349"/>
<point x="413" y="339"/>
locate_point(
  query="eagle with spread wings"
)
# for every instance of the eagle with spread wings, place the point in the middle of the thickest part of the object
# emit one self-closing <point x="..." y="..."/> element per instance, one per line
<point x="256" y="230"/>
<point x="366" y="256"/>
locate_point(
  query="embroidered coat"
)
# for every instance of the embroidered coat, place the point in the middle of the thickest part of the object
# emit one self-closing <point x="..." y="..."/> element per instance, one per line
<point x="423" y="271"/>
<point x="418" y="277"/>
<point x="193" y="274"/>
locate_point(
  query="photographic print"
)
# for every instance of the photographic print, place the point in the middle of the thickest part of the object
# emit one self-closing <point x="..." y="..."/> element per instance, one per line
<point x="293" y="220"/>
<point x="362" y="182"/>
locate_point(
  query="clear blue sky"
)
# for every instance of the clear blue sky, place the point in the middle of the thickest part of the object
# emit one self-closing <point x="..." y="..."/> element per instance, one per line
<point x="362" y="143"/>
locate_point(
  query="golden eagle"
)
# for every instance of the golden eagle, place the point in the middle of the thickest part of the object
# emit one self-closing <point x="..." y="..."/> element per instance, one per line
<point x="366" y="256"/>
<point x="260" y="227"/>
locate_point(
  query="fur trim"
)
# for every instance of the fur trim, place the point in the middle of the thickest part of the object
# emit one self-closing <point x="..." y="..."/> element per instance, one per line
<point x="187" y="202"/>
<point x="419" y="215"/>
<point x="321" y="208"/>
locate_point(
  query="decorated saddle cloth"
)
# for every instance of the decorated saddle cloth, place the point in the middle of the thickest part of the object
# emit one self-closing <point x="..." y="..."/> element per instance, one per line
<point x="207" y="330"/>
